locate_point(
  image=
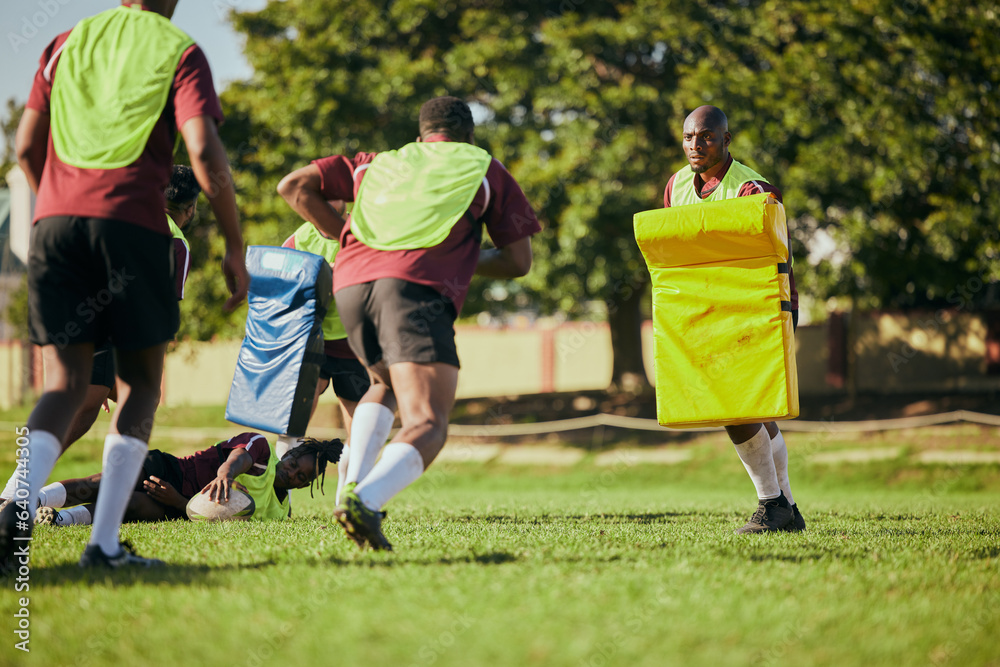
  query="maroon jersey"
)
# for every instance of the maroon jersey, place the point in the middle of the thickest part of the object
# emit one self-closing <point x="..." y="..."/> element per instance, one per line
<point x="202" y="467"/>
<point x="499" y="204"/>
<point x="133" y="193"/>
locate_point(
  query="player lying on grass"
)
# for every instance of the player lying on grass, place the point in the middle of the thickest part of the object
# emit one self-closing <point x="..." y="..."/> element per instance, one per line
<point x="168" y="482"/>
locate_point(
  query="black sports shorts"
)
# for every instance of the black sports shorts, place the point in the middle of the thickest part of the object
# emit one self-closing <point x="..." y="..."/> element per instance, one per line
<point x="165" y="466"/>
<point x="396" y="320"/>
<point x="91" y="280"/>
<point x="349" y="377"/>
<point x="103" y="371"/>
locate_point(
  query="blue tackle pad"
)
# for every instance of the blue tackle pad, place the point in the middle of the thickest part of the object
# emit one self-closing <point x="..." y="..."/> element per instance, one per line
<point x="278" y="367"/>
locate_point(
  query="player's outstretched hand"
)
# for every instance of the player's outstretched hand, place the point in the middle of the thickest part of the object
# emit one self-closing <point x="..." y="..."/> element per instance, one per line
<point x="234" y="270"/>
<point x="163" y="492"/>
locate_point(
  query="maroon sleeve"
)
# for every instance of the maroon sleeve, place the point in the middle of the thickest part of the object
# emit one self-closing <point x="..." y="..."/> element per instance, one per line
<point x="508" y="217"/>
<point x="757" y="187"/>
<point x="182" y="262"/>
<point x="668" y="191"/>
<point x="41" y="86"/>
<point x="337" y="175"/>
<point x="194" y="91"/>
<point x="255" y="445"/>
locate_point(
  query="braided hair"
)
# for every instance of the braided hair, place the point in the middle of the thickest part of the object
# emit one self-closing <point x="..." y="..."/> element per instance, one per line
<point x="325" y="451"/>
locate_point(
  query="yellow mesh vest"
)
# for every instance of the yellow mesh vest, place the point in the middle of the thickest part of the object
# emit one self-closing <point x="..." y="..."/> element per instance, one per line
<point x="413" y="197"/>
<point x="261" y="488"/>
<point x="308" y="239"/>
<point x="111" y="86"/>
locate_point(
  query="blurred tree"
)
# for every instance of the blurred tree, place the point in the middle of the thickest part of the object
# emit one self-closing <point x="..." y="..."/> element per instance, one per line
<point x="878" y="120"/>
<point x="9" y="124"/>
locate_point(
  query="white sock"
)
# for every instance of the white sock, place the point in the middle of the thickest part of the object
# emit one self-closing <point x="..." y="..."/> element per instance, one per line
<point x="76" y="516"/>
<point x="121" y="465"/>
<point x="73" y="516"/>
<point x="779" y="452"/>
<point x="342" y="471"/>
<point x="400" y="466"/>
<point x="10" y="488"/>
<point x="285" y="443"/>
<point x="53" y="495"/>
<point x="369" y="430"/>
<point x="756" y="456"/>
<point x="43" y="451"/>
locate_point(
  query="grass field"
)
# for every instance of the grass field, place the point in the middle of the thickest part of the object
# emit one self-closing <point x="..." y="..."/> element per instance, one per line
<point x="581" y="565"/>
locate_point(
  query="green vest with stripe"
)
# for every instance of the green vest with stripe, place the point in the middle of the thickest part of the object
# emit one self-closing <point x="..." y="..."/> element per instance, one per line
<point x="267" y="507"/>
<point x="684" y="192"/>
<point x="112" y="84"/>
<point x="176" y="231"/>
<point x="412" y="197"/>
<point x="308" y="239"/>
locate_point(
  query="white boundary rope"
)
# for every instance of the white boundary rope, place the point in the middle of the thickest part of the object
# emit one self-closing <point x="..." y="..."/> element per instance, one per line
<point x="792" y="426"/>
<point x="638" y="424"/>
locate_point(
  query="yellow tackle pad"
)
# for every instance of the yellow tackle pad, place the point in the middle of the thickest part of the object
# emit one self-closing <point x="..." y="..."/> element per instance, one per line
<point x="722" y="324"/>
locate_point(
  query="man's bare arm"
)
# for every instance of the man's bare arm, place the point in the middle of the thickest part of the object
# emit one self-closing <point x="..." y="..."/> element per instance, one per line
<point x="302" y="190"/>
<point x="512" y="261"/>
<point x="211" y="168"/>
<point x="31" y="144"/>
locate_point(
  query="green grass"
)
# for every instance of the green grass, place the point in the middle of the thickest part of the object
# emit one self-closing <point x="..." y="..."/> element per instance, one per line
<point x="626" y="565"/>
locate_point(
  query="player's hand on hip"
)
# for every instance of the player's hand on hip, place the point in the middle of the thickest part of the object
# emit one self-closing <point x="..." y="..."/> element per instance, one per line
<point x="163" y="492"/>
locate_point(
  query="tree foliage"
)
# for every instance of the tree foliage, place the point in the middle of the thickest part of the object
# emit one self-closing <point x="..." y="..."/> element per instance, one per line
<point x="8" y="125"/>
<point x="878" y="120"/>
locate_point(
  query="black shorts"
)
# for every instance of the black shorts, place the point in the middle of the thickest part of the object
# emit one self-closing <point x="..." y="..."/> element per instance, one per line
<point x="103" y="371"/>
<point x="396" y="320"/>
<point x="795" y="319"/>
<point x="349" y="377"/>
<point x="91" y="280"/>
<point x="165" y="466"/>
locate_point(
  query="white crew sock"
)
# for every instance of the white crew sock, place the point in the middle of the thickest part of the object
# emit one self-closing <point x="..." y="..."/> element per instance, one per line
<point x="121" y="465"/>
<point x="779" y="452"/>
<point x="756" y="456"/>
<point x="369" y="430"/>
<point x="74" y="516"/>
<point x="43" y="451"/>
<point x="400" y="466"/>
<point x="77" y="516"/>
<point x="345" y="456"/>
<point x="9" y="488"/>
<point x="53" y="495"/>
<point x="285" y="443"/>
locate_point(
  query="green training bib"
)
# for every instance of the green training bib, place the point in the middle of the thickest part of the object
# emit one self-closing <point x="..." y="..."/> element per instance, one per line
<point x="308" y="239"/>
<point x="684" y="191"/>
<point x="111" y="86"/>
<point x="261" y="488"/>
<point x="413" y="197"/>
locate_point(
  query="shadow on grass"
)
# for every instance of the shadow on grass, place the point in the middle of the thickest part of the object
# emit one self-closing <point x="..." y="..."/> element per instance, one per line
<point x="171" y="574"/>
<point x="491" y="558"/>
<point x="643" y="518"/>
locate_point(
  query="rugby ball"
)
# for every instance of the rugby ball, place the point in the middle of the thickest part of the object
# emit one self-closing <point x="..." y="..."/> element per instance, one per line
<point x="240" y="507"/>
